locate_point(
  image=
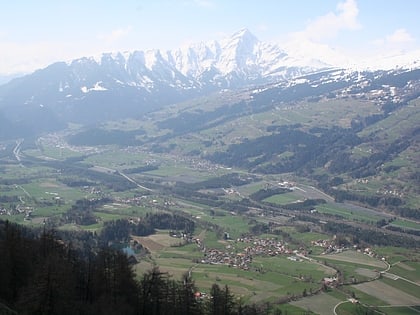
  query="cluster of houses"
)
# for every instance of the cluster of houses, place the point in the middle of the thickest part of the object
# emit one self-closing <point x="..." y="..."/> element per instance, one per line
<point x="27" y="211"/>
<point x="330" y="247"/>
<point x="392" y="192"/>
<point x="243" y="259"/>
<point x="4" y="211"/>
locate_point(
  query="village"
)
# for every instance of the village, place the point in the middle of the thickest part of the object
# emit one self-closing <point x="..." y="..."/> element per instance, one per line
<point x="243" y="259"/>
<point x="255" y="246"/>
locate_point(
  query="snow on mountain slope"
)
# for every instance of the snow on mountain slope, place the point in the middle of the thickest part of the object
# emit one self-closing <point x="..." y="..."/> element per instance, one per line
<point x="392" y="60"/>
<point x="235" y="62"/>
<point x="238" y="60"/>
<point x="121" y="84"/>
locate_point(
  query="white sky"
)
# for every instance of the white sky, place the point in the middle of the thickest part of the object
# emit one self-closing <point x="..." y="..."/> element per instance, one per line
<point x="34" y="34"/>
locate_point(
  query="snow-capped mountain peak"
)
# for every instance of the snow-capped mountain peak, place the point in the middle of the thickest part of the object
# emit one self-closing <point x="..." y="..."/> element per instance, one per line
<point x="126" y="84"/>
<point x="234" y="61"/>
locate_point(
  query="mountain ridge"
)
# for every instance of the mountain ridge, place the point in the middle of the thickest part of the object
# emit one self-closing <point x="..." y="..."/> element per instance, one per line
<point x="129" y="84"/>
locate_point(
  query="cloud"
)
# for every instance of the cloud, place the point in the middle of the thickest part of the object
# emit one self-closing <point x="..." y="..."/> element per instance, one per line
<point x="116" y="34"/>
<point x="329" y="25"/>
<point x="14" y="56"/>
<point x="25" y="57"/>
<point x="398" y="37"/>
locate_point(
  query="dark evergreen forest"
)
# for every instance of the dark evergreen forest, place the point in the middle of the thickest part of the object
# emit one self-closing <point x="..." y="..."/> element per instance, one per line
<point x="43" y="272"/>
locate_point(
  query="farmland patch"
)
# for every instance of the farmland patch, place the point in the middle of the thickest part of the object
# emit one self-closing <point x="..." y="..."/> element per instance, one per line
<point x="320" y="303"/>
<point x="387" y="293"/>
<point x="356" y="258"/>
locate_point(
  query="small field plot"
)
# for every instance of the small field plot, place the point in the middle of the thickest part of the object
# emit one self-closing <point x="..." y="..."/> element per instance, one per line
<point x="251" y="188"/>
<point x="306" y="236"/>
<point x="354" y="257"/>
<point x="250" y="285"/>
<point x="242" y="283"/>
<point x="365" y="298"/>
<point x="53" y="152"/>
<point x="350" y="309"/>
<point x="157" y="242"/>
<point x="320" y="304"/>
<point x="407" y="269"/>
<point x="402" y="284"/>
<point x="396" y="254"/>
<point x="406" y="224"/>
<point x="235" y="225"/>
<point x="115" y="158"/>
<point x="294" y="269"/>
<point x="283" y="199"/>
<point x="348" y="212"/>
<point x="14" y="171"/>
<point x="354" y="268"/>
<point x="291" y="310"/>
<point x="49" y="189"/>
<point x="395" y="310"/>
<point x="387" y="293"/>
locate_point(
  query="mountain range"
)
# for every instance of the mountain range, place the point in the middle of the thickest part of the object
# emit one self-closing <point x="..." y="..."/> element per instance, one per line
<point x="117" y="85"/>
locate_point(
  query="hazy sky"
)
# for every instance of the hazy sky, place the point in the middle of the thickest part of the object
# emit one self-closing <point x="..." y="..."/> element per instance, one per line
<point x="35" y="33"/>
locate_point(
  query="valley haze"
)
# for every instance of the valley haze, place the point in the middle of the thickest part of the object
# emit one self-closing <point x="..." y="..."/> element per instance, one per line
<point x="161" y="157"/>
<point x="344" y="33"/>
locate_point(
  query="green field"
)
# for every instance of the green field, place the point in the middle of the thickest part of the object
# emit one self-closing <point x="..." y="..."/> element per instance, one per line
<point x="406" y="224"/>
<point x="340" y="211"/>
<point x="268" y="278"/>
<point x="283" y="199"/>
<point x="404" y="286"/>
<point x="407" y="269"/>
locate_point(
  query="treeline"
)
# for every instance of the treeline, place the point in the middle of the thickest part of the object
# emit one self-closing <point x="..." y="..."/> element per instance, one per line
<point x="407" y="212"/>
<point x="9" y="199"/>
<point x="76" y="182"/>
<point x="309" y="149"/>
<point x="367" y="166"/>
<point x="403" y="230"/>
<point x="70" y="169"/>
<point x="98" y="136"/>
<point x="369" y="236"/>
<point x="224" y="181"/>
<point x="120" y="230"/>
<point x="14" y="181"/>
<point x="195" y="121"/>
<point x="41" y="274"/>
<point x="315" y="148"/>
<point x="140" y="169"/>
<point x="371" y="200"/>
<point x="392" y="203"/>
<point x="82" y="212"/>
<point x="305" y="205"/>
<point x="184" y="191"/>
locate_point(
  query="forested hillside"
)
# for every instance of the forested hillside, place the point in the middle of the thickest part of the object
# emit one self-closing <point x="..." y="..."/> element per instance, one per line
<point x="42" y="272"/>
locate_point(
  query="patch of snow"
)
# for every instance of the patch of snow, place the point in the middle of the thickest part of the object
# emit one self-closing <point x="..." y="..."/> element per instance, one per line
<point x="96" y="87"/>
